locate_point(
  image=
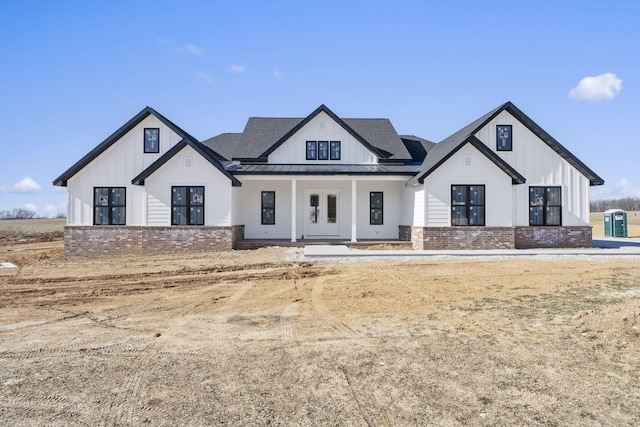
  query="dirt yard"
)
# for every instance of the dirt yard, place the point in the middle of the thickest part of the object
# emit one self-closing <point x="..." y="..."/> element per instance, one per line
<point x="262" y="337"/>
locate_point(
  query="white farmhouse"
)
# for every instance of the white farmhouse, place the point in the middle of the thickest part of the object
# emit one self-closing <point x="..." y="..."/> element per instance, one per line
<point x="499" y="182"/>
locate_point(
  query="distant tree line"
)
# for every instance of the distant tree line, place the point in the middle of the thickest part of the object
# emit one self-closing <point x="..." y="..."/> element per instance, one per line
<point x="18" y="213"/>
<point x="626" y="204"/>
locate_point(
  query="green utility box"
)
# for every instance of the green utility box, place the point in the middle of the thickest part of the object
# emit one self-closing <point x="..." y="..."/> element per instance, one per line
<point x="615" y="223"/>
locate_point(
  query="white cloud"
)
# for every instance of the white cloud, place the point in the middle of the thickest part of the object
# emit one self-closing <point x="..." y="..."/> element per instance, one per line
<point x="276" y="73"/>
<point x="620" y="190"/>
<point x="27" y="185"/>
<point x="31" y="207"/>
<point x="55" y="209"/>
<point x="597" y="88"/>
<point x="237" y="68"/>
<point x="205" y="77"/>
<point x="58" y="189"/>
<point x="192" y="49"/>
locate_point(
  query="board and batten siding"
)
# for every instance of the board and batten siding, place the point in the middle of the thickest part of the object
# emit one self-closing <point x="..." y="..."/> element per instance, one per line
<point x="188" y="168"/>
<point x="251" y="216"/>
<point x="322" y="128"/>
<point x="541" y="166"/>
<point x="468" y="167"/>
<point x="116" y="167"/>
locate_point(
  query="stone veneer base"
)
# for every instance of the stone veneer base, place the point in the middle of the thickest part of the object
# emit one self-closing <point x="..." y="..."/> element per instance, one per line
<point x="104" y="240"/>
<point x="459" y="238"/>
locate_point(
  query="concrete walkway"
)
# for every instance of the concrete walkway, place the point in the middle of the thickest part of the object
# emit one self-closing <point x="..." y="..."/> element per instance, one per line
<point x="601" y="246"/>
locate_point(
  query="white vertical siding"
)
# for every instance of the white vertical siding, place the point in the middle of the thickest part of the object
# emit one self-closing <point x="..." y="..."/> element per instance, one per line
<point x="252" y="210"/>
<point x="541" y="166"/>
<point x="392" y="209"/>
<point x="293" y="151"/>
<point x="412" y="206"/>
<point x="116" y="167"/>
<point x="482" y="171"/>
<point x="217" y="188"/>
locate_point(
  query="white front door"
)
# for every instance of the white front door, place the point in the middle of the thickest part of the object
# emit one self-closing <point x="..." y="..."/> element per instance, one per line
<point x="323" y="213"/>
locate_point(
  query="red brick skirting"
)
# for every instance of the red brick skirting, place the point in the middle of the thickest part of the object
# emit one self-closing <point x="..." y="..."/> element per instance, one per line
<point x="104" y="240"/>
<point x="452" y="238"/>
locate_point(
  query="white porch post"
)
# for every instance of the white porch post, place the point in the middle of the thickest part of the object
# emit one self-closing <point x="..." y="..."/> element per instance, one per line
<point x="293" y="210"/>
<point x="353" y="210"/>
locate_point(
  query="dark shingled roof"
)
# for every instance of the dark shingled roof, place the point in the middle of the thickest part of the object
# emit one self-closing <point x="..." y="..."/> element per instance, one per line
<point x="262" y="136"/>
<point x="447" y="147"/>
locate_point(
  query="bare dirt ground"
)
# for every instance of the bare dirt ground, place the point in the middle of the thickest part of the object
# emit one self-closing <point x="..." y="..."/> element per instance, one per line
<point x="261" y="337"/>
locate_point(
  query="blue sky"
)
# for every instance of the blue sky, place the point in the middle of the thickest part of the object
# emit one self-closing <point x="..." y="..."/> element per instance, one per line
<point x="74" y="71"/>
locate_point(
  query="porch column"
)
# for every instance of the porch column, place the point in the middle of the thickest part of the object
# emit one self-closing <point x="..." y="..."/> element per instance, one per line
<point x="293" y="210"/>
<point x="353" y="210"/>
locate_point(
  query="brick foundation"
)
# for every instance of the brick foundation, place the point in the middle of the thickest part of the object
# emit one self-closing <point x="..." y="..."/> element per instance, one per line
<point x="454" y="238"/>
<point x="553" y="237"/>
<point x="103" y="240"/>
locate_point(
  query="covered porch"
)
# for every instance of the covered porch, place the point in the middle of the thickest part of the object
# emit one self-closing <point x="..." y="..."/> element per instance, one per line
<point x="325" y="208"/>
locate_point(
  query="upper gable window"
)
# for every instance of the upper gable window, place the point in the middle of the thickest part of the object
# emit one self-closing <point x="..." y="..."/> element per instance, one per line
<point x="312" y="150"/>
<point x="323" y="150"/>
<point x="151" y="140"/>
<point x="335" y="150"/>
<point x="504" y="137"/>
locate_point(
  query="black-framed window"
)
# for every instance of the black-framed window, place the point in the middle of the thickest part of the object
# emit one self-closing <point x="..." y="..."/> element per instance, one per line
<point x="467" y="205"/>
<point x="268" y="203"/>
<point x="109" y="206"/>
<point x="334" y="150"/>
<point x="323" y="150"/>
<point x="504" y="137"/>
<point x="187" y="205"/>
<point x="376" y="208"/>
<point x="545" y="206"/>
<point x="151" y="140"/>
<point x="312" y="150"/>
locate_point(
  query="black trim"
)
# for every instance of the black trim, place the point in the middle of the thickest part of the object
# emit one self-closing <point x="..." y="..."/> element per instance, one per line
<point x="333" y="153"/>
<point x="467" y="205"/>
<point x="504" y="142"/>
<point x="189" y="205"/>
<point x="544" y="205"/>
<point x="269" y="220"/>
<point x="311" y="150"/>
<point x="323" y="108"/>
<point x="516" y="178"/>
<point x="375" y="210"/>
<point x="213" y="157"/>
<point x="147" y="133"/>
<point x="204" y="151"/>
<point x="323" y="150"/>
<point x="109" y="206"/>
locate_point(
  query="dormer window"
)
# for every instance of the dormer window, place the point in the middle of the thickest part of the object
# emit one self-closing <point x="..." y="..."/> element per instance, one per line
<point x="312" y="150"/>
<point x="335" y="150"/>
<point x="151" y="140"/>
<point x="503" y="138"/>
<point x="323" y="150"/>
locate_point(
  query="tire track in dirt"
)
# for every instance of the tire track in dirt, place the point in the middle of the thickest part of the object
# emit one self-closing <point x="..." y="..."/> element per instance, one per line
<point x="343" y="388"/>
<point x="127" y="409"/>
<point x="318" y="305"/>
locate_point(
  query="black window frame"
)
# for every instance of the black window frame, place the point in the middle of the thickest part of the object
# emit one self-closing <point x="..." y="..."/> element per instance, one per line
<point x="323" y="150"/>
<point x="468" y="205"/>
<point x="373" y="210"/>
<point x="188" y="206"/>
<point x="335" y="150"/>
<point x="509" y="139"/>
<point x="266" y="209"/>
<point x="148" y="141"/>
<point x="110" y="206"/>
<point x="312" y="150"/>
<point x="545" y="205"/>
